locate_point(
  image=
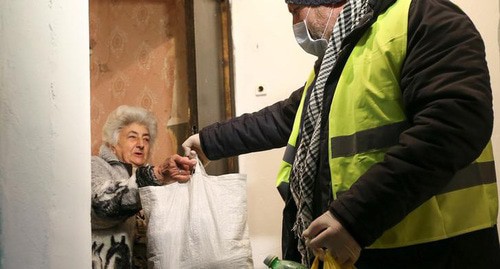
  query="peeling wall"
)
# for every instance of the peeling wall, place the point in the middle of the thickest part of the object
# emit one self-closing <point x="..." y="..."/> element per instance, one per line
<point x="139" y="58"/>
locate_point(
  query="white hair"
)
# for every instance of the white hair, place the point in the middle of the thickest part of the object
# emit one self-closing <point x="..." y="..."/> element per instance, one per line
<point x="123" y="116"/>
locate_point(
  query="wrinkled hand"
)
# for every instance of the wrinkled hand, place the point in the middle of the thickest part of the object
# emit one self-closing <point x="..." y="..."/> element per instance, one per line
<point x="192" y="147"/>
<point x="174" y="168"/>
<point x="326" y="232"/>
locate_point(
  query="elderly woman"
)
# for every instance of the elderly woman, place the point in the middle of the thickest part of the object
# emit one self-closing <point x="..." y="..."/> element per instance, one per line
<point x="117" y="173"/>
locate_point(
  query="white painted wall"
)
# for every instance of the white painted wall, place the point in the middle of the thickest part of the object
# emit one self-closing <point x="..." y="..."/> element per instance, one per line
<point x="265" y="53"/>
<point x="44" y="135"/>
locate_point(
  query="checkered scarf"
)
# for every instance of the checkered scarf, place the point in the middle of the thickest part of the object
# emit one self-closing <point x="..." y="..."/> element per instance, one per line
<point x="305" y="165"/>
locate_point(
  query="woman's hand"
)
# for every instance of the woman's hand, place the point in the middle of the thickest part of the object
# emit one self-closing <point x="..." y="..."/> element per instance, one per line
<point x="174" y="168"/>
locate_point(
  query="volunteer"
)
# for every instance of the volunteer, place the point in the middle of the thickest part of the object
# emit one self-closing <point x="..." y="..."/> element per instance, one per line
<point x="388" y="162"/>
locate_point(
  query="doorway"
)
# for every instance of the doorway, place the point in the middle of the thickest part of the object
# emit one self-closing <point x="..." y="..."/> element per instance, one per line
<point x="171" y="57"/>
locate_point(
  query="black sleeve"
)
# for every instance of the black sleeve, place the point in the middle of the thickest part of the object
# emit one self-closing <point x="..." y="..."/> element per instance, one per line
<point x="268" y="128"/>
<point x="448" y="101"/>
<point x="145" y="176"/>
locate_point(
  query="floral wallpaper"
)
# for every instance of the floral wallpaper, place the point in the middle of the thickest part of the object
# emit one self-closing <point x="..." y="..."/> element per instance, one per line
<point x="139" y="57"/>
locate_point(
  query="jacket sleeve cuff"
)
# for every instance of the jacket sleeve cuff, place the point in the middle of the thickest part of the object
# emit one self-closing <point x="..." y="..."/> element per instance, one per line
<point x="350" y="224"/>
<point x="145" y="176"/>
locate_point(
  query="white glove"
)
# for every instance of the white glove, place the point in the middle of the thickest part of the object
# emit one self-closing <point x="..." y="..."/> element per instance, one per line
<point x="192" y="147"/>
<point x="326" y="232"/>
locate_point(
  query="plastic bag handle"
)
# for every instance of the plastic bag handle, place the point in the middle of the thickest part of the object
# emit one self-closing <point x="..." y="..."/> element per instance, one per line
<point x="199" y="168"/>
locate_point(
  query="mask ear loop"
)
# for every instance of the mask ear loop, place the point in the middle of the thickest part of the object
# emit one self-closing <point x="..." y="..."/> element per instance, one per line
<point x="326" y="26"/>
<point x="307" y="15"/>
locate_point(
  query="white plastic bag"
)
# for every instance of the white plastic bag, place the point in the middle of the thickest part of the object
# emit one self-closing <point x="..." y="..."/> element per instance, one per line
<point x="198" y="224"/>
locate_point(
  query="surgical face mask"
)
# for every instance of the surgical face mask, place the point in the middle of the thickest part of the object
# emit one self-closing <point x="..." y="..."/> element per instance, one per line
<point x="313" y="46"/>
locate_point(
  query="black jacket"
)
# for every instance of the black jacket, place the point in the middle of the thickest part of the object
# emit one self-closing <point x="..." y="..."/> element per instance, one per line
<point x="448" y="102"/>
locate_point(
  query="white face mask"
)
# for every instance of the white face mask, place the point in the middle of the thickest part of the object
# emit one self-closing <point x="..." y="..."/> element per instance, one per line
<point x="313" y="46"/>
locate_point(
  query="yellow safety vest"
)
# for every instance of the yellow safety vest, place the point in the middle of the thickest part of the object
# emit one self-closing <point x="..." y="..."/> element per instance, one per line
<point x="367" y="117"/>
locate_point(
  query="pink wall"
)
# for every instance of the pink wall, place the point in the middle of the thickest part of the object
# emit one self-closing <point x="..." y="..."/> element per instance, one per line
<point x="138" y="57"/>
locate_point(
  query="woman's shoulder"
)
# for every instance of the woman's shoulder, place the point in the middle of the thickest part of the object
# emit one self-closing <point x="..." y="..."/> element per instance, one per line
<point x="98" y="161"/>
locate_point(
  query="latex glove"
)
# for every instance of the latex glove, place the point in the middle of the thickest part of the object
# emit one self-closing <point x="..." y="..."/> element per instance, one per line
<point x="326" y="232"/>
<point x="174" y="168"/>
<point x="192" y="147"/>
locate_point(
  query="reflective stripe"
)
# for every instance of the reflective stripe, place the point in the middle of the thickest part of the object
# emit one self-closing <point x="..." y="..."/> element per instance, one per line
<point x="283" y="188"/>
<point x="289" y="154"/>
<point x="473" y="175"/>
<point x="363" y="141"/>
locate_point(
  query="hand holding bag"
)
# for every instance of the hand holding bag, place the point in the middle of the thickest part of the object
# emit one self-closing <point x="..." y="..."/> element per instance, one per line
<point x="198" y="224"/>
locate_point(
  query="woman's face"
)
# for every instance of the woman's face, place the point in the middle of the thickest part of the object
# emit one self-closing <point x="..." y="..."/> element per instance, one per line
<point x="133" y="144"/>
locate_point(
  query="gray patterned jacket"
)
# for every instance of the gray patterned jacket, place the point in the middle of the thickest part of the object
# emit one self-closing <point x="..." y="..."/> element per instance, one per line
<point x="115" y="201"/>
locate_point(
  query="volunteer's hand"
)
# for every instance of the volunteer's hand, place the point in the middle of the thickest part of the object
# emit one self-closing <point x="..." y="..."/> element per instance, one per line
<point x="174" y="168"/>
<point x="193" y="144"/>
<point x="326" y="232"/>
